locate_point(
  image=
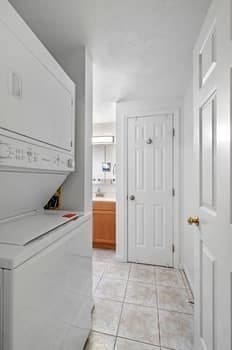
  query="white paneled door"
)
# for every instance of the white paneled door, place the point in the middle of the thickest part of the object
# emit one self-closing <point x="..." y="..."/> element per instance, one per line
<point x="212" y="164"/>
<point x="150" y="189"/>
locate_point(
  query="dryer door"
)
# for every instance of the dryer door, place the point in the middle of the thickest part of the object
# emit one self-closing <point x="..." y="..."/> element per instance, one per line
<point x="34" y="103"/>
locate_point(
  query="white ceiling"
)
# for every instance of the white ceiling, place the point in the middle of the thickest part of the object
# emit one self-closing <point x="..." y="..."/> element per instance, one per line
<point x="140" y="48"/>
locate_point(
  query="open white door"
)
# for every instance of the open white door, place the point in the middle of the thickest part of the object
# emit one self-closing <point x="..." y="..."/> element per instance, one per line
<point x="212" y="163"/>
<point x="150" y="183"/>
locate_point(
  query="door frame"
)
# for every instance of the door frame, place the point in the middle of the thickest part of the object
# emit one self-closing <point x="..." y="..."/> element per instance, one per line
<point x="122" y="186"/>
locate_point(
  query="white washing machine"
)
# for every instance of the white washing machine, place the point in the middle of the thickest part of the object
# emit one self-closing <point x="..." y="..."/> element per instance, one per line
<point x="45" y="273"/>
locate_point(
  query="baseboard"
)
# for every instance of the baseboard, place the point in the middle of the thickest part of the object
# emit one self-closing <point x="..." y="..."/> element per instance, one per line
<point x="103" y="245"/>
<point x="120" y="258"/>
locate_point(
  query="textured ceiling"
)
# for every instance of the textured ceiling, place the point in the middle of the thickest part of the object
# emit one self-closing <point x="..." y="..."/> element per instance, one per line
<point x="140" y="48"/>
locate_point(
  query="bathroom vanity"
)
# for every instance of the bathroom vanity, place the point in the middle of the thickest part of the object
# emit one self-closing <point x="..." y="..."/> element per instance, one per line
<point x="104" y="223"/>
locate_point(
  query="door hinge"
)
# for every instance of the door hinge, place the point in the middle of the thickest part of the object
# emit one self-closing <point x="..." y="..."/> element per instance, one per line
<point x="173" y="248"/>
<point x="173" y="192"/>
<point x="173" y="132"/>
<point x="71" y="143"/>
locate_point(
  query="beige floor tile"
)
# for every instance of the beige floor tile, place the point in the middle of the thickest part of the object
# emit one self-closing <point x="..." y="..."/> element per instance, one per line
<point x="174" y="299"/>
<point x="176" y="330"/>
<point x="125" y="344"/>
<point x="106" y="255"/>
<point x="139" y="323"/>
<point x="142" y="273"/>
<point x="111" y="289"/>
<point x="99" y="268"/>
<point x="117" y="271"/>
<point x="141" y="294"/>
<point x="106" y="316"/>
<point x="169" y="277"/>
<point x="99" y="341"/>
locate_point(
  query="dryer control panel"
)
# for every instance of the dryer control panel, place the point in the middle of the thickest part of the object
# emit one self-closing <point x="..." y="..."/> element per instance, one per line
<point x="19" y="154"/>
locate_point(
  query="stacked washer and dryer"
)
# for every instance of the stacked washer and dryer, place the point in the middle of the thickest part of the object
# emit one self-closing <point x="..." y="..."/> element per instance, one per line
<point x="45" y="255"/>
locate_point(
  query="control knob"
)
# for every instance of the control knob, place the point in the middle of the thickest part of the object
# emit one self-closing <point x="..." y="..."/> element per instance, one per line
<point x="4" y="150"/>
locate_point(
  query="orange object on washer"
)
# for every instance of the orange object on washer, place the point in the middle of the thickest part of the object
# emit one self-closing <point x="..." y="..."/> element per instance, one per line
<point x="69" y="215"/>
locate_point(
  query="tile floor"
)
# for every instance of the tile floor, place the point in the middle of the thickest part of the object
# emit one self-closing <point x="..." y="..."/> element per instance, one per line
<point x="139" y="307"/>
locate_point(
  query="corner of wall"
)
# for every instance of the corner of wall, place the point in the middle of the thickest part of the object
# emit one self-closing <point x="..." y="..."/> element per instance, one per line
<point x="77" y="193"/>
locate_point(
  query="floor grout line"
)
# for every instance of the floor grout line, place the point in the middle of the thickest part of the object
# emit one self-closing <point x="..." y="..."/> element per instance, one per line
<point x="140" y="342"/>
<point x="123" y="302"/>
<point x="120" y="317"/>
<point x="154" y="307"/>
<point x="176" y="312"/>
<point x="100" y="278"/>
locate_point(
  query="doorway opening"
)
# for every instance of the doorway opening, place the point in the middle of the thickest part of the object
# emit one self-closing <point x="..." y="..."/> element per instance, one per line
<point x="104" y="186"/>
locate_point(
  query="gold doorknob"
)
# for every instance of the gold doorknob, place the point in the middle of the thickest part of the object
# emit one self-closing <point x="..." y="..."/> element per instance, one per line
<point x="194" y="220"/>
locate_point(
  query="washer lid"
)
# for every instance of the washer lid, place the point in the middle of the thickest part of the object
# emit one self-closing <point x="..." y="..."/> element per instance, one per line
<point x="22" y="231"/>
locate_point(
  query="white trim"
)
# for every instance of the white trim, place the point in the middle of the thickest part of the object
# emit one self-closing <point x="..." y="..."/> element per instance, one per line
<point x="186" y="271"/>
<point x="176" y="181"/>
<point x="121" y="192"/>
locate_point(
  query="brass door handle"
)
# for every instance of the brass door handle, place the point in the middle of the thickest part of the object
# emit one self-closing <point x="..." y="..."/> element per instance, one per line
<point x="194" y="220"/>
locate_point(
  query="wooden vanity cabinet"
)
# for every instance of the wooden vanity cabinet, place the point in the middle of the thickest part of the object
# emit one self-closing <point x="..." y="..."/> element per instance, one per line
<point x="104" y="224"/>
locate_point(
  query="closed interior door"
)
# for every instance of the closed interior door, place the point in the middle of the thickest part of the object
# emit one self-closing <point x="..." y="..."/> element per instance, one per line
<point x="212" y="164"/>
<point x="150" y="189"/>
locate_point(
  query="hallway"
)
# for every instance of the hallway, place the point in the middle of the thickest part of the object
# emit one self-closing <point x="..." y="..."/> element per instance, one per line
<point x="139" y="307"/>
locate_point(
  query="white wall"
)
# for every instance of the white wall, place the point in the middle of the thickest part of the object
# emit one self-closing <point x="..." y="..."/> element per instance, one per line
<point x="103" y="111"/>
<point x="188" y="210"/>
<point x="88" y="132"/>
<point x="133" y="108"/>
<point x="77" y="191"/>
<point x="104" y="129"/>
